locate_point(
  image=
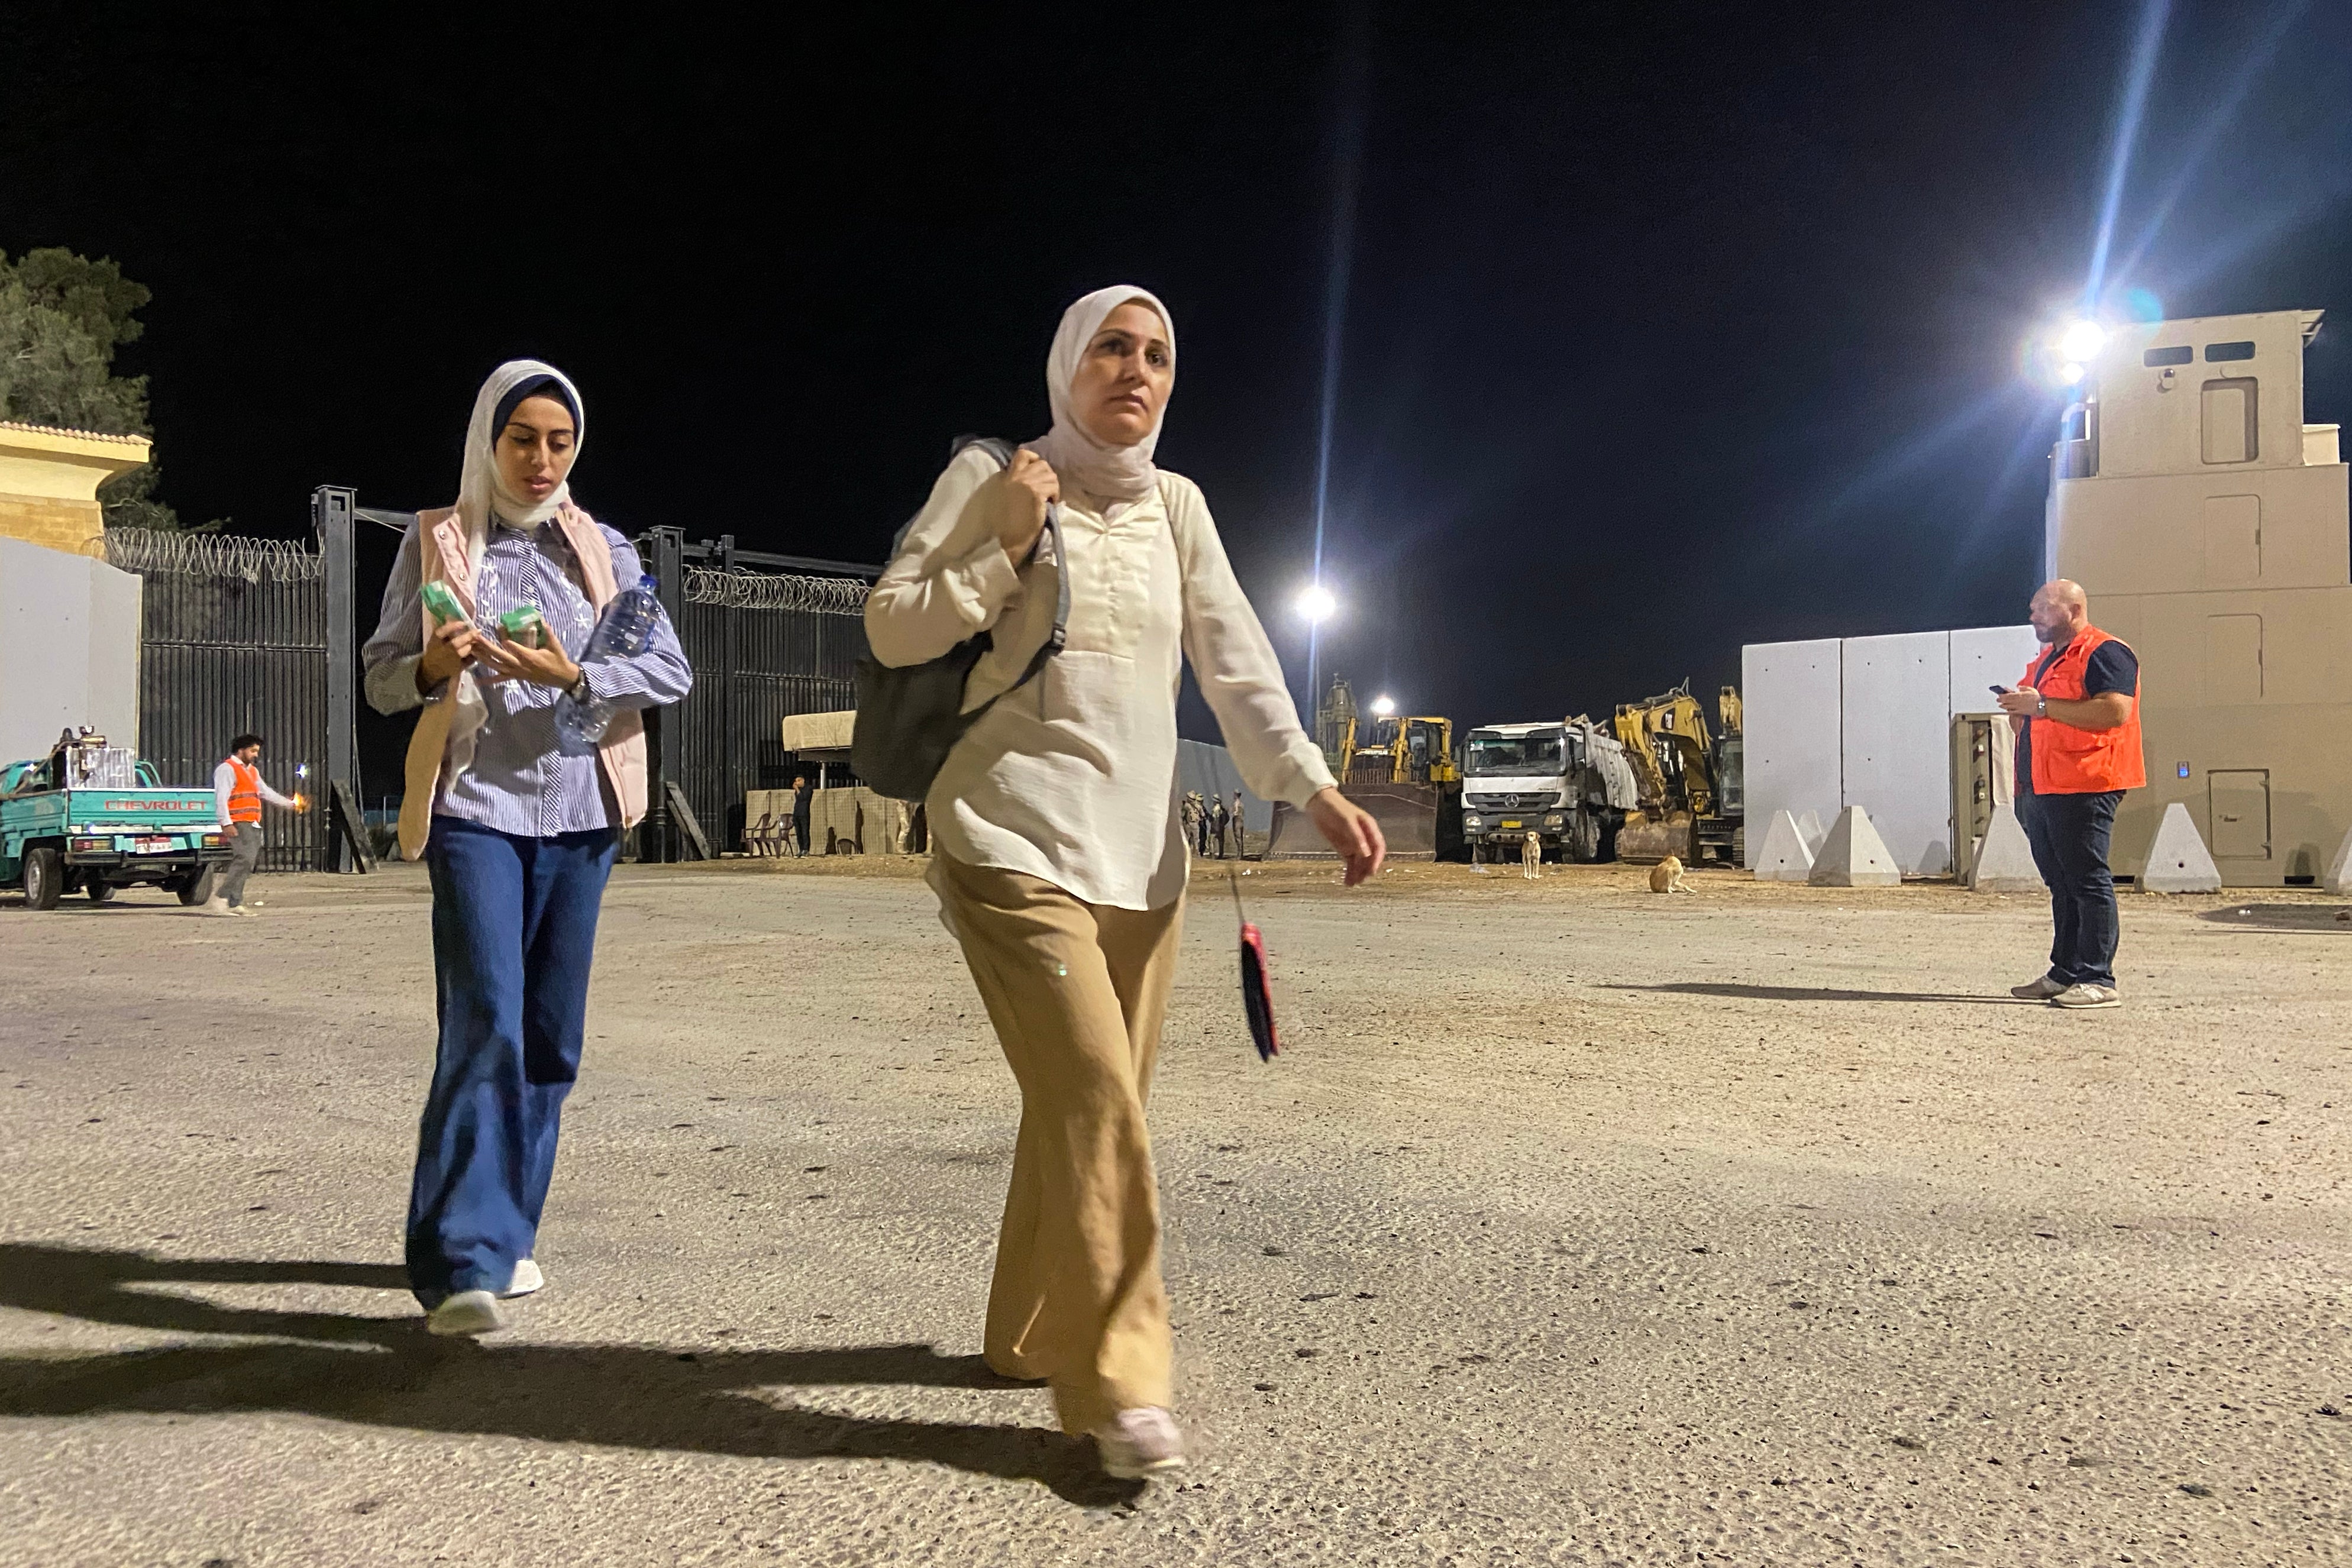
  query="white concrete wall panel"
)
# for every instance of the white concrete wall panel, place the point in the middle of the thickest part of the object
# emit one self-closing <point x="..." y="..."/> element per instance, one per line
<point x="114" y="631"/>
<point x="1792" y="694"/>
<point x="1897" y="745"/>
<point x="44" y="646"/>
<point x="1985" y="657"/>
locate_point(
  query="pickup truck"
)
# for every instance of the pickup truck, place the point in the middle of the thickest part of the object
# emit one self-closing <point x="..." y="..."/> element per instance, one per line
<point x="91" y="817"/>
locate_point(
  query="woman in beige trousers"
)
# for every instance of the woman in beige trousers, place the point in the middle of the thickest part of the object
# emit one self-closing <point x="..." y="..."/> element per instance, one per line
<point x="1059" y="854"/>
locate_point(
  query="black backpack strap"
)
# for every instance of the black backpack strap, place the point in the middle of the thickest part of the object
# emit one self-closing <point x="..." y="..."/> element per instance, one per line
<point x="1000" y="449"/>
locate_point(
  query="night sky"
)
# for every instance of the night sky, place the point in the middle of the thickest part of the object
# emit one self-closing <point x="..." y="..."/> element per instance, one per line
<point x="1665" y="328"/>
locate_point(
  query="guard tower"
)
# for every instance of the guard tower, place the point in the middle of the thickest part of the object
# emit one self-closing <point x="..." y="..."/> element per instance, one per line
<point x="2210" y="526"/>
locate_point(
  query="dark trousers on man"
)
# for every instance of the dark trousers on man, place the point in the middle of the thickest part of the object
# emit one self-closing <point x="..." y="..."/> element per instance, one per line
<point x="514" y="924"/>
<point x="2070" y="834"/>
<point x="244" y="854"/>
<point x="799" y="830"/>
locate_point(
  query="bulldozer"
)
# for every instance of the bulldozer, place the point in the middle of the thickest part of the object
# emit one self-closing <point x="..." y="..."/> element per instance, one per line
<point x="1401" y="768"/>
<point x="1399" y="750"/>
<point x="1689" y="780"/>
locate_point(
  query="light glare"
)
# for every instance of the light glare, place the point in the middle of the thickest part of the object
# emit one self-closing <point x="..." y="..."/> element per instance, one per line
<point x="1383" y="704"/>
<point x="2081" y="342"/>
<point x="1316" y="603"/>
<point x="2071" y="374"/>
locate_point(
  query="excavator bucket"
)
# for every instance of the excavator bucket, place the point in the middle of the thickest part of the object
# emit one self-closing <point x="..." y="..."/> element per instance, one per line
<point x="1407" y="814"/>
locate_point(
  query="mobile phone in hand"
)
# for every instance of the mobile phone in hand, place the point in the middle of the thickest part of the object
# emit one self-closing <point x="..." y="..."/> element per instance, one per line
<point x="1999" y="691"/>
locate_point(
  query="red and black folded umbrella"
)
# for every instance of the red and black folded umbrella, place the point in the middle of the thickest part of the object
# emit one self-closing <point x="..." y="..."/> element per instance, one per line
<point x="1257" y="992"/>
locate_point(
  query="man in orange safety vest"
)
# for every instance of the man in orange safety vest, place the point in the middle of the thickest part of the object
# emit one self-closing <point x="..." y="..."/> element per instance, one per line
<point x="2076" y="717"/>
<point x="238" y="785"/>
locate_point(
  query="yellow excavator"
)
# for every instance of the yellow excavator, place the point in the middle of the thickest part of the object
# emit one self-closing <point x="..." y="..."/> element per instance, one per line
<point x="1690" y="782"/>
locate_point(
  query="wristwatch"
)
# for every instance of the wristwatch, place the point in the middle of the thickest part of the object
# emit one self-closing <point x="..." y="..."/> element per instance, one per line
<point x="2040" y="706"/>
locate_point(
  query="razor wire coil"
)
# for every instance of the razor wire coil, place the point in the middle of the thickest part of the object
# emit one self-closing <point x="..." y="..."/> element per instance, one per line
<point x="764" y="590"/>
<point x="154" y="551"/>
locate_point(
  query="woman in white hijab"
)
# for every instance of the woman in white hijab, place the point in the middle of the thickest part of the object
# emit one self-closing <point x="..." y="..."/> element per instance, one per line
<point x="516" y="817"/>
<point x="1059" y="856"/>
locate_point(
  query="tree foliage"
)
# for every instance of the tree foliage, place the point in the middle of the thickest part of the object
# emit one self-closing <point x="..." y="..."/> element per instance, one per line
<point x="62" y="316"/>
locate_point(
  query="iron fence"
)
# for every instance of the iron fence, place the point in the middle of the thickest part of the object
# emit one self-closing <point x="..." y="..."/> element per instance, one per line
<point x="233" y="639"/>
<point x="768" y="637"/>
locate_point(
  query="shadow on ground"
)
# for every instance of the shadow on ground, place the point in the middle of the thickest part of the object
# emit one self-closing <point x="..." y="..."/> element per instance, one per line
<point x="1810" y="993"/>
<point x="387" y="1372"/>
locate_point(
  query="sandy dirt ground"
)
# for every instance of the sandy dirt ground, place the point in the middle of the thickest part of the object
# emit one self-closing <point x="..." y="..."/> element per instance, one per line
<point x="1576" y="1225"/>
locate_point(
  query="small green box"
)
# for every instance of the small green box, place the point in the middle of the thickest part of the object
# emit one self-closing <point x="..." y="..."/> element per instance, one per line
<point x="524" y="624"/>
<point x="442" y="603"/>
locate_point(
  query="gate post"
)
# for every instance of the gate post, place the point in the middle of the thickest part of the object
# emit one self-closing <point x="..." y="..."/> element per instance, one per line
<point x="330" y="514"/>
<point x="669" y="749"/>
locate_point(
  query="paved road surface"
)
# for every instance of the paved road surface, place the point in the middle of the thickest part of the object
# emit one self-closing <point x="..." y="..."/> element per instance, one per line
<point x="1577" y="1227"/>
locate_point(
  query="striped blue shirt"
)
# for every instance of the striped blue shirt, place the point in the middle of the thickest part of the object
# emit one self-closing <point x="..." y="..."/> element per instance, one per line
<point x="524" y="779"/>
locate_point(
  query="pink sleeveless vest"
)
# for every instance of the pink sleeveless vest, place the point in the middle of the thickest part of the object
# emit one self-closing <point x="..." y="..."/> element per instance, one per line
<point x="441" y="555"/>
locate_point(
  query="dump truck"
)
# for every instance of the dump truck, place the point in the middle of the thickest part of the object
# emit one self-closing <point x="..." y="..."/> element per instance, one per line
<point x="1565" y="781"/>
<point x="91" y="816"/>
<point x="1690" y="783"/>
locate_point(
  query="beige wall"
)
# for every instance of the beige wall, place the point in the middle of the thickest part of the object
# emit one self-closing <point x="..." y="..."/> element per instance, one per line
<point x="49" y="480"/>
<point x="2232" y="581"/>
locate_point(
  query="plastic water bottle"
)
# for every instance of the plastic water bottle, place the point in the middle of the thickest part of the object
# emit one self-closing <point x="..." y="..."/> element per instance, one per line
<point x="624" y="628"/>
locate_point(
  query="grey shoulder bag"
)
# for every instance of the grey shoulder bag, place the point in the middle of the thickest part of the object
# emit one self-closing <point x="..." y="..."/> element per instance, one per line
<point x="910" y="717"/>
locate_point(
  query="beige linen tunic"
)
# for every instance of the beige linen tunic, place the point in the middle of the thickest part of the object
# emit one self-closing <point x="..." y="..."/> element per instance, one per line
<point x="1072" y="779"/>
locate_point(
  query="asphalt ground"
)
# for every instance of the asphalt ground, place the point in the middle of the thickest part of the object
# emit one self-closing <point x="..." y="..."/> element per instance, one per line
<point x="1575" y="1224"/>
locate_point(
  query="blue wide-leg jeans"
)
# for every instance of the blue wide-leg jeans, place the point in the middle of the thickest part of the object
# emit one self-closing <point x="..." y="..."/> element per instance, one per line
<point x="514" y="925"/>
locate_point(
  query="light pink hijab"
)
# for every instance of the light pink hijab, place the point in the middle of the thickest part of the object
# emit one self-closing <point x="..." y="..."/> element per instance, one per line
<point x="1113" y="472"/>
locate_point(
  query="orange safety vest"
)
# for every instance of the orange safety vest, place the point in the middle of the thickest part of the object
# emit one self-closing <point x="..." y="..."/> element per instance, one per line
<point x="2068" y="760"/>
<point x="245" y="799"/>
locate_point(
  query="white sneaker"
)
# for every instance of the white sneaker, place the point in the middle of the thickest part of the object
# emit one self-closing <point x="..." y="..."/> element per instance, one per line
<point x="2088" y="996"/>
<point x="526" y="1278"/>
<point x="2040" y="991"/>
<point x="468" y="1312"/>
<point x="1137" y="1444"/>
<point x="216" y="904"/>
<point x="241" y="909"/>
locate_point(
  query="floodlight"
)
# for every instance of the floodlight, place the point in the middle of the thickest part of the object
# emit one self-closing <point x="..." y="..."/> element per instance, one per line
<point x="1315" y="605"/>
<point x="2071" y="374"/>
<point x="2082" y="342"/>
<point x="1383" y="704"/>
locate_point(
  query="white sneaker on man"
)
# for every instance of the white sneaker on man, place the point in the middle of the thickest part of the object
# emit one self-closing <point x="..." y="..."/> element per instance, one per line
<point x="2040" y="991"/>
<point x="2087" y="994"/>
<point x="466" y="1313"/>
<point x="1138" y="1444"/>
<point x="216" y="904"/>
<point x="526" y="1278"/>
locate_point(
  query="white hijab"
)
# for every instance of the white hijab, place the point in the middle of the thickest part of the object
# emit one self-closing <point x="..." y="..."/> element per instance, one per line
<point x="1113" y="472"/>
<point x="481" y="490"/>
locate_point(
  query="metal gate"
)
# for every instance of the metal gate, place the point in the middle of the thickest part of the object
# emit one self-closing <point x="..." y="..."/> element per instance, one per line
<point x="769" y="636"/>
<point x="233" y="639"/>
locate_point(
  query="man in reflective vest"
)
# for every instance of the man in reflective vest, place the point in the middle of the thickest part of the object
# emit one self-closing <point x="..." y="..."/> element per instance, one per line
<point x="2076" y="717"/>
<point x="242" y="794"/>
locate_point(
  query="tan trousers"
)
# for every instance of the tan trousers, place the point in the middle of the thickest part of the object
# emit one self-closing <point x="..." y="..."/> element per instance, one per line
<point x="1077" y="993"/>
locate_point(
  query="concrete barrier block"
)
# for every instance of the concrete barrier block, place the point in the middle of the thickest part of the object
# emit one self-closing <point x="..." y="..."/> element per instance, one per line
<point x="2005" y="862"/>
<point x="1786" y="856"/>
<point x="1854" y="855"/>
<point x="2178" y="860"/>
<point x="2339" y="879"/>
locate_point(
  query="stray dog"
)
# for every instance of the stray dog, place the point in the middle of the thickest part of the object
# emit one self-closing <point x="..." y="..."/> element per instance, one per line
<point x="1666" y="876"/>
<point x="1531" y="856"/>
